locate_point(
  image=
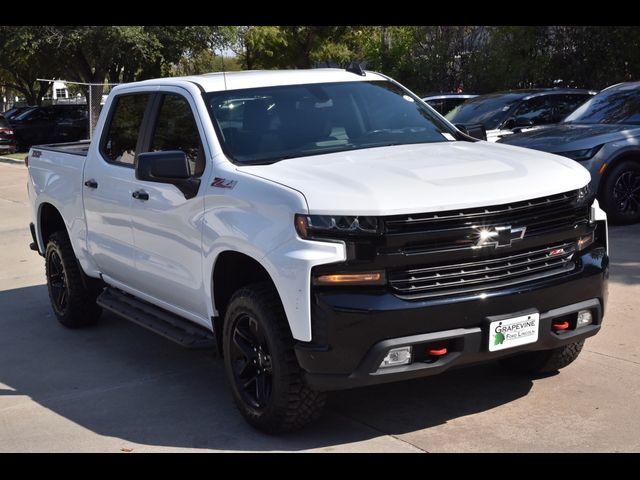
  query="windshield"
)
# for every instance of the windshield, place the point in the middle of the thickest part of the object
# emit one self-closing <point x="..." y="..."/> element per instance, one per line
<point x="615" y="105"/>
<point x="488" y="110"/>
<point x="264" y="125"/>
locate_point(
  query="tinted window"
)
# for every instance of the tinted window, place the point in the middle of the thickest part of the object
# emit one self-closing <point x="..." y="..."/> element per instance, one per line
<point x="273" y="123"/>
<point x="71" y="113"/>
<point x="615" y="105"/>
<point x="121" y="137"/>
<point x="538" y="109"/>
<point x="176" y="130"/>
<point x="3" y="122"/>
<point x="488" y="110"/>
<point x="565" y="104"/>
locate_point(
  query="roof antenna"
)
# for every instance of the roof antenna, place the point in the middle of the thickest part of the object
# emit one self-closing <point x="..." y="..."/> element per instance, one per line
<point x="357" y="68"/>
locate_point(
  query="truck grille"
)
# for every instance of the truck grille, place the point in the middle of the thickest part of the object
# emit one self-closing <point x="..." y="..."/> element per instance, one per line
<point x="484" y="274"/>
<point x="458" y="229"/>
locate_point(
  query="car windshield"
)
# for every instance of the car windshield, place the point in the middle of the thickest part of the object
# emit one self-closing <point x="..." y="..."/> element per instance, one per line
<point x="615" y="105"/>
<point x="488" y="110"/>
<point x="264" y="125"/>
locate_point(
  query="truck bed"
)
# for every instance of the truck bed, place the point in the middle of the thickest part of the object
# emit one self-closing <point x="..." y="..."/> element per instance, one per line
<point x="74" y="148"/>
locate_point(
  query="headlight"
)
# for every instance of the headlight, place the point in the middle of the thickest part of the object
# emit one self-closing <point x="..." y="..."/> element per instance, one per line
<point x="581" y="155"/>
<point x="336" y="225"/>
<point x="585" y="195"/>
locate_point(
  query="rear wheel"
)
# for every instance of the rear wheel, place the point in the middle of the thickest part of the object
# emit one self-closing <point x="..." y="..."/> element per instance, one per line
<point x="544" y="361"/>
<point x="73" y="303"/>
<point x="621" y="193"/>
<point x="266" y="380"/>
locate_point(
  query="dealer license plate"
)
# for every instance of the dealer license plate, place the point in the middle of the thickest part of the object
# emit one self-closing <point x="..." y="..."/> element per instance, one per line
<point x="512" y="332"/>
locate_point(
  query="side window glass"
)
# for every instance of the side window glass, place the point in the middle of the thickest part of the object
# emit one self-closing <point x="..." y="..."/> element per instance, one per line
<point x="121" y="136"/>
<point x="176" y="129"/>
<point x="539" y="110"/>
<point x="565" y="104"/>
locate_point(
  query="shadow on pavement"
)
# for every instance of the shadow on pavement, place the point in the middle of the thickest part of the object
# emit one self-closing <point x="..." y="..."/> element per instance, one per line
<point x="119" y="380"/>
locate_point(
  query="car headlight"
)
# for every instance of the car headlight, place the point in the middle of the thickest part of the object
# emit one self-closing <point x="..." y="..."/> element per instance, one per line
<point x="581" y="155"/>
<point x="336" y="225"/>
<point x="585" y="195"/>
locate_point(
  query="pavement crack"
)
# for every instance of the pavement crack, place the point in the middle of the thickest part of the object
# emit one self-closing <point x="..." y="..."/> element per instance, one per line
<point x="614" y="357"/>
<point x="368" y="425"/>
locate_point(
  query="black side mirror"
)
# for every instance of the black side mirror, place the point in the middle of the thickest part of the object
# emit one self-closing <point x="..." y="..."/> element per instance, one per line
<point x="167" y="167"/>
<point x="475" y="130"/>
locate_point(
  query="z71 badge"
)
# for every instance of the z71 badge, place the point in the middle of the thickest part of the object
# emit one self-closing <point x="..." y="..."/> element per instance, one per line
<point x="223" y="183"/>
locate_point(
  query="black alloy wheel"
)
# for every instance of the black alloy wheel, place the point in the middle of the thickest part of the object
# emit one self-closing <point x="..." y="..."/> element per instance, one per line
<point x="626" y="193"/>
<point x="252" y="368"/>
<point x="620" y="192"/>
<point x="57" y="280"/>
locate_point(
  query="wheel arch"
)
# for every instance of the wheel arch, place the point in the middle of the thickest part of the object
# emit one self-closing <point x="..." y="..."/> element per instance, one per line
<point x="629" y="153"/>
<point x="233" y="270"/>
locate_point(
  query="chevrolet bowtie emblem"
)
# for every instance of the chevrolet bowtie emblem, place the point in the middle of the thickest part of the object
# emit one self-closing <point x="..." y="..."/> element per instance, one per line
<point x="500" y="236"/>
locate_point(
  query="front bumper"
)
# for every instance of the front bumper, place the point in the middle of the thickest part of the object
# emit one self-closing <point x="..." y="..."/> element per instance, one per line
<point x="354" y="331"/>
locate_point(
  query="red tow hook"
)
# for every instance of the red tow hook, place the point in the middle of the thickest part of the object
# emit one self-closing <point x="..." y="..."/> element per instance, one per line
<point x="437" y="352"/>
<point x="560" y="326"/>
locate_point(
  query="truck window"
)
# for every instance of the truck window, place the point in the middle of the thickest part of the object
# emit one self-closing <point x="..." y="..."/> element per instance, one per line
<point x="121" y="136"/>
<point x="176" y="129"/>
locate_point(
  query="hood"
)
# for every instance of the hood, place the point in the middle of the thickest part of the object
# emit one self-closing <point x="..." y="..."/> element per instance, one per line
<point x="423" y="178"/>
<point x="568" y="137"/>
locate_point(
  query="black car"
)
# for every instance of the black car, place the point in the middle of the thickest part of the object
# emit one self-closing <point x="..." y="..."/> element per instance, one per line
<point x="50" y="124"/>
<point x="7" y="139"/>
<point x="443" y="103"/>
<point x="12" y="112"/>
<point x="504" y="113"/>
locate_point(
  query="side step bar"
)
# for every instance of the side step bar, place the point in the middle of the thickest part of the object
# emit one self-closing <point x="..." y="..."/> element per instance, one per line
<point x="156" y="319"/>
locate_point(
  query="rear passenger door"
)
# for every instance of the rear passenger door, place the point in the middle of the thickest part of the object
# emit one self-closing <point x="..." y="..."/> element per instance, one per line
<point x="108" y="184"/>
<point x="167" y="227"/>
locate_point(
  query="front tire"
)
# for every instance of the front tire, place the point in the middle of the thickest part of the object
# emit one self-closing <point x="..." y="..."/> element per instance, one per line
<point x="543" y="361"/>
<point x="266" y="380"/>
<point x="73" y="303"/>
<point x="621" y="193"/>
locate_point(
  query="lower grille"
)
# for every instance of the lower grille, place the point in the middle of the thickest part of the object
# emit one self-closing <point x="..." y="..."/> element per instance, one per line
<point x="495" y="272"/>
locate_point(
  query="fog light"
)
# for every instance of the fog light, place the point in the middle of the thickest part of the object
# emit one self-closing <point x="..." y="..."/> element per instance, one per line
<point x="397" y="356"/>
<point x="584" y="318"/>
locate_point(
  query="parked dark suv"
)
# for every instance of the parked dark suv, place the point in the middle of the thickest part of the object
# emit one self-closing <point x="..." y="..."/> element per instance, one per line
<point x="504" y="113"/>
<point x="604" y="136"/>
<point x="51" y="124"/>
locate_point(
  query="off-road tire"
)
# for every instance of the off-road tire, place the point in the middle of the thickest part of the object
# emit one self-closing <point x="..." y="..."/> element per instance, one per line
<point x="291" y="403"/>
<point x="543" y="361"/>
<point x="79" y="308"/>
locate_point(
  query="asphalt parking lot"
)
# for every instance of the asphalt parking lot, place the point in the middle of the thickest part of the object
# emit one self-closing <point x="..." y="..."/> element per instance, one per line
<point x="116" y="387"/>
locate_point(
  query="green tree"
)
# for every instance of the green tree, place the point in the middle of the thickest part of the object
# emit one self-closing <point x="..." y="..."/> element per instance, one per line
<point x="26" y="56"/>
<point x="301" y="46"/>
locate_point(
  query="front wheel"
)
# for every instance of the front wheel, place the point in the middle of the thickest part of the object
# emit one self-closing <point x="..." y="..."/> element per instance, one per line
<point x="621" y="193"/>
<point x="543" y="361"/>
<point x="261" y="365"/>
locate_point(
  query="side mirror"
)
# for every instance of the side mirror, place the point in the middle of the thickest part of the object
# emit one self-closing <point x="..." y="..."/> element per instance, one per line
<point x="475" y="130"/>
<point x="170" y="167"/>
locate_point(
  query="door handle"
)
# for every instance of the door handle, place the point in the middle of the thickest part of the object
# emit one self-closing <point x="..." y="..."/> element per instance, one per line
<point x="140" y="195"/>
<point x="91" y="183"/>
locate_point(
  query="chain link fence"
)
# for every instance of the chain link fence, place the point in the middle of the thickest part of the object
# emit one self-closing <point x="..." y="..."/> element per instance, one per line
<point x="93" y="95"/>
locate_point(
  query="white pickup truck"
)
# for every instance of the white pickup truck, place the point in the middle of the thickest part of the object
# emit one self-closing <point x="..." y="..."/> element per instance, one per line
<point x="323" y="229"/>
